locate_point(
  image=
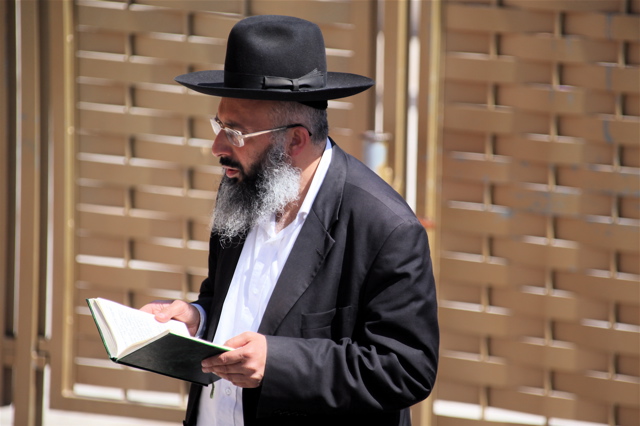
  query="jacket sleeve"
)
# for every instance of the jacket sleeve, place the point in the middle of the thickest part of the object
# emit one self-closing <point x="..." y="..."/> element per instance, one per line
<point x="390" y="360"/>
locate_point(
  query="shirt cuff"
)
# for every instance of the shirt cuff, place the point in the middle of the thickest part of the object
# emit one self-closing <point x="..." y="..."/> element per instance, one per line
<point x="203" y="320"/>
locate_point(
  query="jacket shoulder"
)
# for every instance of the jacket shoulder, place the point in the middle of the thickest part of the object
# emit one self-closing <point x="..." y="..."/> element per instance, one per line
<point x="368" y="193"/>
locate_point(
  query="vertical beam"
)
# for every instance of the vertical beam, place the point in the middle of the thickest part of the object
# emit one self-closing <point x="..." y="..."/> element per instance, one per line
<point x="6" y="201"/>
<point x="62" y="206"/>
<point x="364" y="19"/>
<point x="402" y="66"/>
<point x="27" y="242"/>
<point x="435" y="80"/>
<point x="412" y="111"/>
<point x="429" y="176"/>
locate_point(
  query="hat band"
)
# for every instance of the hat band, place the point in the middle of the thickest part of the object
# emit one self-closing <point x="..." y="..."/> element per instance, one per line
<point x="313" y="80"/>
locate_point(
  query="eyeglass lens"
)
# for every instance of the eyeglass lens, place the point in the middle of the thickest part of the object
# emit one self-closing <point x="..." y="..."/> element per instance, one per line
<point x="232" y="136"/>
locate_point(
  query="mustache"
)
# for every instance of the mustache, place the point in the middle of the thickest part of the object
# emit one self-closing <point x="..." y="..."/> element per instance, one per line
<point x="228" y="162"/>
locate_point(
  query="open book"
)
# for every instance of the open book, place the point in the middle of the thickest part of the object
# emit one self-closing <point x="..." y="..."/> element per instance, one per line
<point x="134" y="338"/>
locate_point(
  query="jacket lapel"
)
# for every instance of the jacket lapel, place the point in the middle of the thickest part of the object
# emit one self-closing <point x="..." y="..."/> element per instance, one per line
<point x="223" y="275"/>
<point x="311" y="247"/>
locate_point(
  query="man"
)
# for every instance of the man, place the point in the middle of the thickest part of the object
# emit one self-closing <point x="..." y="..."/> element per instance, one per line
<point x="319" y="273"/>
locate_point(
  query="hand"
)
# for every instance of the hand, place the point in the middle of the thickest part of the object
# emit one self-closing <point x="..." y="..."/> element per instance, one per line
<point x="164" y="310"/>
<point x="244" y="366"/>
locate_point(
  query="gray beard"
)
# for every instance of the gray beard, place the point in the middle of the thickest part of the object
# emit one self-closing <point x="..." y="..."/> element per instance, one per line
<point x="268" y="189"/>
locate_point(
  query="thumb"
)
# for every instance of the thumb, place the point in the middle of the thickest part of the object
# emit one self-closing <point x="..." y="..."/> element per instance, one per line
<point x="241" y="339"/>
<point x="169" y="311"/>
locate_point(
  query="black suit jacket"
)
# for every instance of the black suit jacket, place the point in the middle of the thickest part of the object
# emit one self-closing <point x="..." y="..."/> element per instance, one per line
<point x="351" y="326"/>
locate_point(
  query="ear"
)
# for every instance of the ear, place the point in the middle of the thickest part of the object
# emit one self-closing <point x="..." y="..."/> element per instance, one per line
<point x="299" y="143"/>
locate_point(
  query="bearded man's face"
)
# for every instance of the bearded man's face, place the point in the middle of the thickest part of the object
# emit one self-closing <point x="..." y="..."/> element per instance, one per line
<point x="263" y="189"/>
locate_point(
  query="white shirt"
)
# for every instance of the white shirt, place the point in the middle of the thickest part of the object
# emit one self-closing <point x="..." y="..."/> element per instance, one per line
<point x="262" y="259"/>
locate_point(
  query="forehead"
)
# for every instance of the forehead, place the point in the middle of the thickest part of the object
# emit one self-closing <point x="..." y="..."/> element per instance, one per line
<point x="245" y="113"/>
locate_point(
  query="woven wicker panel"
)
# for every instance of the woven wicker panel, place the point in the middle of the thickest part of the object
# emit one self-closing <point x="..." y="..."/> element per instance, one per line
<point x="540" y="229"/>
<point x="146" y="179"/>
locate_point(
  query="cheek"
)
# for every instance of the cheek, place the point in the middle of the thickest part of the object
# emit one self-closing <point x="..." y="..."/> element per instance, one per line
<point x="249" y="170"/>
<point x="252" y="163"/>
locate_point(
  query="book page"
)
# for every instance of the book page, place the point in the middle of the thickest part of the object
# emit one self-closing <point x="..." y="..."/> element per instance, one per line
<point x="130" y="326"/>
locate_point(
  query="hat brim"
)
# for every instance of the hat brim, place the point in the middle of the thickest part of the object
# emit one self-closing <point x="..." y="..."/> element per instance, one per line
<point x="339" y="85"/>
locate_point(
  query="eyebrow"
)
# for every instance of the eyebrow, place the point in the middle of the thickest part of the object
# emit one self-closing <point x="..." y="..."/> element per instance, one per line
<point x="233" y="125"/>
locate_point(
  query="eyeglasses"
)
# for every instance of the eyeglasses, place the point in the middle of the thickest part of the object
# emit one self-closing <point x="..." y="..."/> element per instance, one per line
<point x="236" y="138"/>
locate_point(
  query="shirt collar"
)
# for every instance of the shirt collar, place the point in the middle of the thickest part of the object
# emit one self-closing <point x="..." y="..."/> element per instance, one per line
<point x="316" y="182"/>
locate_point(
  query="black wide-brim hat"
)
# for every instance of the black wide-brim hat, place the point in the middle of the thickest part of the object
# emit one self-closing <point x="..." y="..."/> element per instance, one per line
<point x="280" y="58"/>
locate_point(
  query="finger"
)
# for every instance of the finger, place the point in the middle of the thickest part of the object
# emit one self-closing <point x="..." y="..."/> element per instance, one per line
<point x="225" y="369"/>
<point x="215" y="365"/>
<point x="179" y="310"/>
<point x="243" y="381"/>
<point x="234" y="357"/>
<point x="169" y="311"/>
<point x="241" y="340"/>
<point x="242" y="372"/>
<point x="249" y="346"/>
<point x="147" y="308"/>
<point x="155" y="306"/>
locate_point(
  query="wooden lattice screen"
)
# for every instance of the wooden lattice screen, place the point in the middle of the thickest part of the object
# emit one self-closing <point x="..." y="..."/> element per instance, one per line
<point x="540" y="219"/>
<point x="538" y="252"/>
<point x="145" y="178"/>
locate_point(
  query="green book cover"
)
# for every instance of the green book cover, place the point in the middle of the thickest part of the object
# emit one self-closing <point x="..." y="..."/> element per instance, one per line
<point x="134" y="338"/>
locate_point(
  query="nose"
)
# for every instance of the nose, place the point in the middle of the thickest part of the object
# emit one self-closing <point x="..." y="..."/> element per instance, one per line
<point x="221" y="145"/>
